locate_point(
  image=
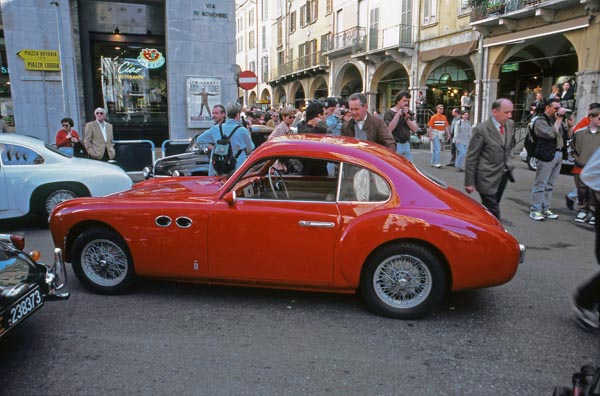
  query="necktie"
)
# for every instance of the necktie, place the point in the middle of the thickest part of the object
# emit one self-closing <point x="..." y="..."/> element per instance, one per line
<point x="501" y="129"/>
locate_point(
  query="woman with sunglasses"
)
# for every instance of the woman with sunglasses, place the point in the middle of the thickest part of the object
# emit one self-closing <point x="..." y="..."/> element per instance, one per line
<point x="66" y="137"/>
<point x="284" y="127"/>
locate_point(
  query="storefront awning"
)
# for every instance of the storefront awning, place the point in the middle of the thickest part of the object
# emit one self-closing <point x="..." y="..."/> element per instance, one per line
<point x="452" y="50"/>
<point x="546" y="30"/>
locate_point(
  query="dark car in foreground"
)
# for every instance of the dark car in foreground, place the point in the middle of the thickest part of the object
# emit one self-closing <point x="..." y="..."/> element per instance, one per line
<point x="25" y="283"/>
<point x="195" y="159"/>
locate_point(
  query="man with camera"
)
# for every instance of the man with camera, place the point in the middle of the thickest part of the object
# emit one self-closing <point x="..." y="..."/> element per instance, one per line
<point x="552" y="130"/>
<point x="401" y="122"/>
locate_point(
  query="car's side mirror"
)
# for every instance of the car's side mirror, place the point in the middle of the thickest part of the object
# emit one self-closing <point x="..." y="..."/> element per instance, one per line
<point x="230" y="198"/>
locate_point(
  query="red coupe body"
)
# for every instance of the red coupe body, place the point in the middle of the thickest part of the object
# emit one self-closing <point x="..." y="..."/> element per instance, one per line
<point x="303" y="212"/>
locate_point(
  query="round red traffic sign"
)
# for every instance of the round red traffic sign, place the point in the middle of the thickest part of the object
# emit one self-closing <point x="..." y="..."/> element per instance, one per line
<point x="247" y="79"/>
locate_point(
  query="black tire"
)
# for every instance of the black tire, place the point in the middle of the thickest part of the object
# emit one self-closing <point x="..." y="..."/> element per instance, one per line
<point x="532" y="163"/>
<point x="417" y="284"/>
<point x="102" y="262"/>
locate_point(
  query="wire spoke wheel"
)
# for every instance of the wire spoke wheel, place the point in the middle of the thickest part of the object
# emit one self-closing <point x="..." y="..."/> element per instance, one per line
<point x="104" y="262"/>
<point x="402" y="281"/>
<point x="56" y="197"/>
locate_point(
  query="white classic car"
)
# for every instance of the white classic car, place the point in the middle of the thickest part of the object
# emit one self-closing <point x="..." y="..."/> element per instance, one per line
<point x="35" y="177"/>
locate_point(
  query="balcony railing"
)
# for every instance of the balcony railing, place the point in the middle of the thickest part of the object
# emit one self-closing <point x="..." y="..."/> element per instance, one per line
<point x="348" y="39"/>
<point x="393" y="36"/>
<point x="482" y="9"/>
<point x="298" y="65"/>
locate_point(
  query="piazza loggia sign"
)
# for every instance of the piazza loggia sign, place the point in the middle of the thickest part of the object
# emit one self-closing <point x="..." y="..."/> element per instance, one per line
<point x="44" y="60"/>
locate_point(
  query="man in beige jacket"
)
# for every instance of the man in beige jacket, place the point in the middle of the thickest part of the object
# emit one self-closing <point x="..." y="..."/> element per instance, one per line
<point x="98" y="137"/>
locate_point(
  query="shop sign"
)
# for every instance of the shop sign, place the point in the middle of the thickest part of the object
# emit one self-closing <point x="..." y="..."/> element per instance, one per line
<point x="151" y="58"/>
<point x="509" y="67"/>
<point x="130" y="69"/>
<point x="211" y="9"/>
<point x="46" y="60"/>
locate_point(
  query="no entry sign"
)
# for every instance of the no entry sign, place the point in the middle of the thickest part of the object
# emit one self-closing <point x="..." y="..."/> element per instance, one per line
<point x="247" y="79"/>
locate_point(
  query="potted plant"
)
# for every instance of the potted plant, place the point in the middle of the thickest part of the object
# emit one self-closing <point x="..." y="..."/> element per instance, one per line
<point x="495" y="7"/>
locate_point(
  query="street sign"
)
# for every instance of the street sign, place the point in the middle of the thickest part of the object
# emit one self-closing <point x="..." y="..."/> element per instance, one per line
<point x="247" y="79"/>
<point x="40" y="59"/>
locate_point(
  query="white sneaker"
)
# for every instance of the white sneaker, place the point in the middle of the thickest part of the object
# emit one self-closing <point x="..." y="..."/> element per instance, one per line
<point x="581" y="217"/>
<point x="586" y="317"/>
<point x="537" y="216"/>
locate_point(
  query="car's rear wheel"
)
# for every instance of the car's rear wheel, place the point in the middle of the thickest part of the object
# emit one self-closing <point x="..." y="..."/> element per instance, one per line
<point x="532" y="163"/>
<point x="55" y="197"/>
<point x="403" y="281"/>
<point x="102" y="262"/>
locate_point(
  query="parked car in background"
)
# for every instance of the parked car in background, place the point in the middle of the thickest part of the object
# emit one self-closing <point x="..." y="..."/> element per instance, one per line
<point x="194" y="161"/>
<point x="567" y="163"/>
<point x="308" y="212"/>
<point x="26" y="283"/>
<point x="35" y="176"/>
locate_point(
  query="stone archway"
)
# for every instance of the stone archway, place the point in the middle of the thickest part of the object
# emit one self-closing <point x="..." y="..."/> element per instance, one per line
<point x="390" y="78"/>
<point x="280" y="97"/>
<point x="537" y="64"/>
<point x="318" y="88"/>
<point x="348" y="81"/>
<point x="447" y="80"/>
<point x="252" y="98"/>
<point x="297" y="95"/>
<point x="265" y="96"/>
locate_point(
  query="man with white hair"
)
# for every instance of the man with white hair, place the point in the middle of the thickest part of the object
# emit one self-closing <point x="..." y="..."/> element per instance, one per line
<point x="98" y="137"/>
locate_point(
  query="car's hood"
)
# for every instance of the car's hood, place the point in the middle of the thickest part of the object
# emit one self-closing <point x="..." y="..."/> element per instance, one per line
<point x="174" y="187"/>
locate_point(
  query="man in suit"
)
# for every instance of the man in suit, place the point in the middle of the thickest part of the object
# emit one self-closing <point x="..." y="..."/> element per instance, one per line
<point x="364" y="126"/>
<point x="98" y="137"/>
<point x="488" y="166"/>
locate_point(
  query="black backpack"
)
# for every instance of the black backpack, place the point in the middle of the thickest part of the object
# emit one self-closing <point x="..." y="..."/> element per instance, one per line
<point x="530" y="139"/>
<point x="223" y="159"/>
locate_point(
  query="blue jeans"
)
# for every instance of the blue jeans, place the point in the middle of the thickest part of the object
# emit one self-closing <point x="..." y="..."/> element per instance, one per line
<point x="66" y="150"/>
<point x="437" y="146"/>
<point x="461" y="155"/>
<point x="404" y="150"/>
<point x="545" y="176"/>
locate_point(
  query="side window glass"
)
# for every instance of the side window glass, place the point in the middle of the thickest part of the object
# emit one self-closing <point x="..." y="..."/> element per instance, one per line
<point x="290" y="179"/>
<point x="361" y="185"/>
<point x="13" y="154"/>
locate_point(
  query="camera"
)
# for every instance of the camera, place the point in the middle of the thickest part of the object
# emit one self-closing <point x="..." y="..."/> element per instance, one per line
<point x="409" y="112"/>
<point x="343" y="112"/>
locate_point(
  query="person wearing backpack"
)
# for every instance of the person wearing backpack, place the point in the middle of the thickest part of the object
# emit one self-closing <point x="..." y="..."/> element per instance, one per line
<point x="550" y="131"/>
<point x="231" y="143"/>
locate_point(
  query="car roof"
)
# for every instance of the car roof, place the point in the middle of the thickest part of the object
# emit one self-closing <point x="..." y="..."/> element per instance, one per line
<point x="21" y="139"/>
<point x="303" y="144"/>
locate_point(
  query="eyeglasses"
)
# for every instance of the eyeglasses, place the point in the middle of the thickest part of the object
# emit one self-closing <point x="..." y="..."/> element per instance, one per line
<point x="66" y="125"/>
<point x="290" y="116"/>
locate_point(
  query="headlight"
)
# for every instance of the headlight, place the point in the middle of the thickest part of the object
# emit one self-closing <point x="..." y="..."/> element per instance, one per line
<point x="147" y="172"/>
<point x="175" y="173"/>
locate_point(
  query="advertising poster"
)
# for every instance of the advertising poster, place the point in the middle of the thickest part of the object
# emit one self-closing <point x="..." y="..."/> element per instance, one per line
<point x="202" y="94"/>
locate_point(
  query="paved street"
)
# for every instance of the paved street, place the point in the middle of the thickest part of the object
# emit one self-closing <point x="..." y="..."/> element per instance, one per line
<point x="169" y="338"/>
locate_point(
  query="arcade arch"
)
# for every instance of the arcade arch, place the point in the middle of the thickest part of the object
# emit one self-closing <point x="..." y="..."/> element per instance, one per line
<point x="389" y="79"/>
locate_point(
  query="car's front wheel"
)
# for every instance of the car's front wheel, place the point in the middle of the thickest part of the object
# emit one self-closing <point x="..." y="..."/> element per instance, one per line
<point x="403" y="281"/>
<point x="102" y="262"/>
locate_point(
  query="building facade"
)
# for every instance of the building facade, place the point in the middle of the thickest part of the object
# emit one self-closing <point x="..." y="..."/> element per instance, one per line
<point x="444" y="48"/>
<point x="150" y="63"/>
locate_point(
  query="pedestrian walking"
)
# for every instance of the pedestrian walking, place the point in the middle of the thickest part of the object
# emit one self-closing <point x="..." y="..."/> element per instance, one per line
<point x="488" y="167"/>
<point x="462" y="137"/>
<point x="439" y="132"/>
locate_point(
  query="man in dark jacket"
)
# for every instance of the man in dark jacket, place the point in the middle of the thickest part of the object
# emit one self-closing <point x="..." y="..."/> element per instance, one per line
<point x="488" y="167"/>
<point x="364" y="126"/>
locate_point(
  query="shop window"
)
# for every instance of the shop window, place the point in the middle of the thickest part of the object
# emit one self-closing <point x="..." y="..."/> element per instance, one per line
<point x="131" y="83"/>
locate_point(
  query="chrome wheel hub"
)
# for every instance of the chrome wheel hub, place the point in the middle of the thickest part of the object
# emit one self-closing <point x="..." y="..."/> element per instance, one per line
<point x="402" y="281"/>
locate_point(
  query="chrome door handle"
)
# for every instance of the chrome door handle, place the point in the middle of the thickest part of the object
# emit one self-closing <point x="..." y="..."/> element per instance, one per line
<point x="316" y="224"/>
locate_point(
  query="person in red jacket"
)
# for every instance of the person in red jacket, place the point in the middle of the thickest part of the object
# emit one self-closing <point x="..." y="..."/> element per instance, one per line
<point x="66" y="137"/>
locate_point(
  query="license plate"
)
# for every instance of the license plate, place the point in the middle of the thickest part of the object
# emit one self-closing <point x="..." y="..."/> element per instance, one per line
<point x="21" y="309"/>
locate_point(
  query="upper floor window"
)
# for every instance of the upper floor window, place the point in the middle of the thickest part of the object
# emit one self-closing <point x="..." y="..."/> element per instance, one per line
<point x="251" y="18"/>
<point x="463" y="7"/>
<point x="265" y="10"/>
<point x="292" y="21"/>
<point x="328" y="6"/>
<point x="308" y="12"/>
<point x="251" y="39"/>
<point x="240" y="24"/>
<point x="279" y="34"/>
<point x="429" y="11"/>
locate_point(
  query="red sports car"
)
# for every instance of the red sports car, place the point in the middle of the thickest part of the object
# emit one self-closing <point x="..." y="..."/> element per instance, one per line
<point x="307" y="212"/>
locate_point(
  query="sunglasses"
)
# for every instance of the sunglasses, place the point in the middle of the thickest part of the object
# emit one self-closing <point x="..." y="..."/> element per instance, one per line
<point x="290" y="116"/>
<point x="66" y="125"/>
<point x="99" y="113"/>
